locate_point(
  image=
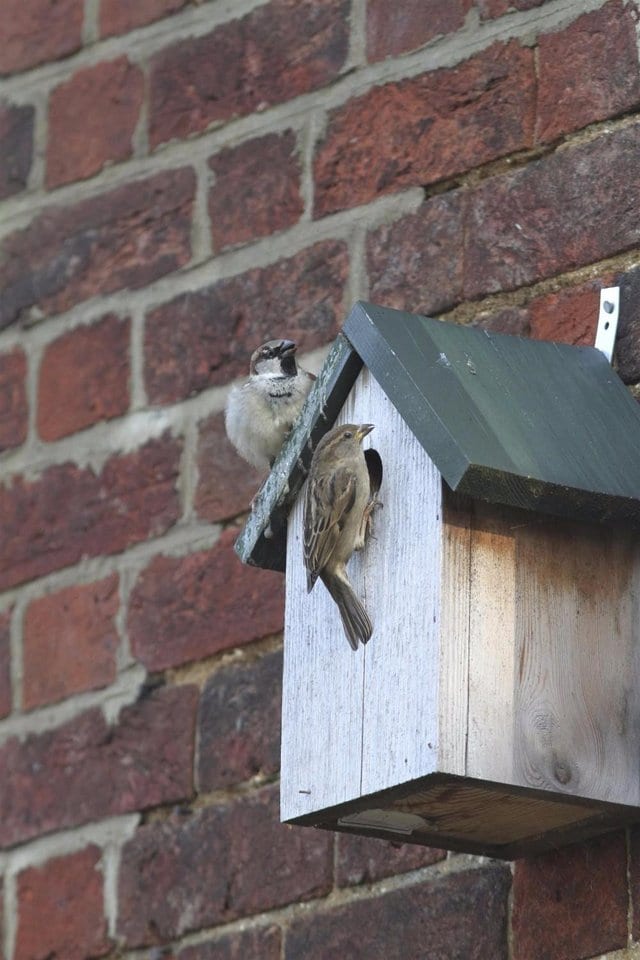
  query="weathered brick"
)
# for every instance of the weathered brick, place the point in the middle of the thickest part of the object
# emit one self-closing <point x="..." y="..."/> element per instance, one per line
<point x="261" y="943"/>
<point x="569" y="316"/>
<point x="560" y="913"/>
<point x="92" y="119"/>
<point x="16" y="147"/>
<point x="5" y="666"/>
<point x="461" y="915"/>
<point x="627" y="350"/>
<point x="1" y="919"/>
<point x="118" y="17"/>
<point x="14" y="411"/>
<point x="125" y="238"/>
<point x="34" y="31"/>
<point x="562" y="211"/>
<point x="365" y="860"/>
<point x="490" y="9"/>
<point x="426" y="128"/>
<point x="256" y="190"/>
<point x="601" y="49"/>
<point x="239" y="723"/>
<point x="70" y="642"/>
<point x="275" y="53"/>
<point x="634" y="881"/>
<point x="186" y="608"/>
<point x="415" y="263"/>
<point x="61" y="909"/>
<point x="70" y="512"/>
<point x="513" y="320"/>
<point x="407" y="24"/>
<point x="206" y="338"/>
<point x="226" y="483"/>
<point x="223" y="862"/>
<point x="87" y="770"/>
<point x="84" y="378"/>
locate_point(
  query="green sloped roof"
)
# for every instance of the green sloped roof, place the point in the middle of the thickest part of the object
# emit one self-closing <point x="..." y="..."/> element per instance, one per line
<point x="542" y="426"/>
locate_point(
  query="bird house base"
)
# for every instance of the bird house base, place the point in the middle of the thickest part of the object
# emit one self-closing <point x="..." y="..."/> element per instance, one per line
<point x="492" y="819"/>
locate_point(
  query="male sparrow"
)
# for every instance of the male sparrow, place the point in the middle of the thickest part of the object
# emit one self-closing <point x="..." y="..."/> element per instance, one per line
<point x="337" y="510"/>
<point x="261" y="411"/>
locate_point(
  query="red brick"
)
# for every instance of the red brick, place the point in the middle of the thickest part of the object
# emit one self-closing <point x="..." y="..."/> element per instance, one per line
<point x="563" y="211"/>
<point x="71" y="512"/>
<point x="61" y="909"/>
<point x="261" y="943"/>
<point x="84" y="378"/>
<point x="460" y="915"/>
<point x="5" y="668"/>
<point x="627" y="352"/>
<point x="570" y="315"/>
<point x="273" y="54"/>
<point x="92" y="119"/>
<point x="87" y="769"/>
<point x="16" y="147"/>
<point x="118" y="17"/>
<point x="490" y="9"/>
<point x="239" y="723"/>
<point x="14" y="411"/>
<point x="201" y="339"/>
<point x="560" y="912"/>
<point x="34" y="31"/>
<point x="513" y="320"/>
<point x="70" y="642"/>
<point x="226" y="483"/>
<point x="365" y="860"/>
<point x="256" y="190"/>
<point x="187" y="608"/>
<point x="415" y="264"/>
<point x="426" y="128"/>
<point x="221" y="863"/>
<point x="407" y="24"/>
<point x="599" y="48"/>
<point x="125" y="238"/>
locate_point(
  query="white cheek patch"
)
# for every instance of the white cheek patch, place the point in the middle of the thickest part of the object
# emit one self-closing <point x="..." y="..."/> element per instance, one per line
<point x="269" y="368"/>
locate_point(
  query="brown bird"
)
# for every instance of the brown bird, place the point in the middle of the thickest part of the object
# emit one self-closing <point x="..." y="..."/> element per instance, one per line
<point x="261" y="411"/>
<point x="337" y="509"/>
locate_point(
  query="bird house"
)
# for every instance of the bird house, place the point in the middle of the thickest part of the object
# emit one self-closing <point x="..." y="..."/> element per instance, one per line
<point x="496" y="708"/>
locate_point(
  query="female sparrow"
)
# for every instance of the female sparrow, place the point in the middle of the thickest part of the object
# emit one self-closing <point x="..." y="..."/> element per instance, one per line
<point x="336" y="513"/>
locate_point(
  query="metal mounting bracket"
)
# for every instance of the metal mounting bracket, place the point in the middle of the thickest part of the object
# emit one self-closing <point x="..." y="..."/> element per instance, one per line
<point x="608" y="321"/>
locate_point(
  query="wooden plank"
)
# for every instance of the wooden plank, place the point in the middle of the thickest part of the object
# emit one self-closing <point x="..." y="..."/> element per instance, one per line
<point x="399" y="579"/>
<point x="492" y="616"/>
<point x="454" y="633"/>
<point x="538" y="425"/>
<point x="577" y="703"/>
<point x="322" y="688"/>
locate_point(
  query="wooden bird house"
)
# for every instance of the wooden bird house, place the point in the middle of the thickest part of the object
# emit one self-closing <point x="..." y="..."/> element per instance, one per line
<point x="496" y="708"/>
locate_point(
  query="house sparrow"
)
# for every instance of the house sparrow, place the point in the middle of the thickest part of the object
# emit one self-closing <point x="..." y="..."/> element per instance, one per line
<point x="261" y="411"/>
<point x="337" y="511"/>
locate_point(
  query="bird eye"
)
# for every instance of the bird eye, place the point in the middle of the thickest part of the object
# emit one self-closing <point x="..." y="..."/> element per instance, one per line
<point x="347" y="435"/>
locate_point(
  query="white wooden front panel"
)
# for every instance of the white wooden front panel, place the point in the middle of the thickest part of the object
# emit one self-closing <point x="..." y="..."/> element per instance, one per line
<point x="353" y="723"/>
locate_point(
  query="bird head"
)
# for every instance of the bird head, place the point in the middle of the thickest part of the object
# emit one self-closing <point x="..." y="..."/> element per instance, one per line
<point x="275" y="358"/>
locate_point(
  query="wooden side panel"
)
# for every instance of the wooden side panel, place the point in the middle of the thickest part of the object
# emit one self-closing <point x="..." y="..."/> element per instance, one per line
<point x="454" y="634"/>
<point x="577" y="705"/>
<point x="322" y="689"/>
<point x="492" y="619"/>
<point x="401" y="588"/>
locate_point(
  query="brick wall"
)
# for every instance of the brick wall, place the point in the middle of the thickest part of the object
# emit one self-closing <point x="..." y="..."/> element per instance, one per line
<point x="179" y="181"/>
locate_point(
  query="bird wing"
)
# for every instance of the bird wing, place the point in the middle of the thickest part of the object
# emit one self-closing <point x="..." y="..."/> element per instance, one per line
<point x="329" y="499"/>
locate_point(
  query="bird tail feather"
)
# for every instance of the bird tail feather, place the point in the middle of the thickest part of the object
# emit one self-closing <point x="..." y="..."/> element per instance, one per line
<point x="355" y="619"/>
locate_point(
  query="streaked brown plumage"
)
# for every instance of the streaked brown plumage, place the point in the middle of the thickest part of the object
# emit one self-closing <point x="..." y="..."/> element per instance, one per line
<point x="336" y="512"/>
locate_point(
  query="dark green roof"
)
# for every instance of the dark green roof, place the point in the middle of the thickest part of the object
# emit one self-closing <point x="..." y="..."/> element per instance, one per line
<point x="527" y="423"/>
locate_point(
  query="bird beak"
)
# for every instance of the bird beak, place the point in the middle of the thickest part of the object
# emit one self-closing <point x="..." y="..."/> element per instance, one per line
<point x="363" y="430"/>
<point x="287" y="348"/>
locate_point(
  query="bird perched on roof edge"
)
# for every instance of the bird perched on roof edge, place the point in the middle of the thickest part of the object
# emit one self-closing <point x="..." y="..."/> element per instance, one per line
<point x="261" y="411"/>
<point x="337" y="508"/>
